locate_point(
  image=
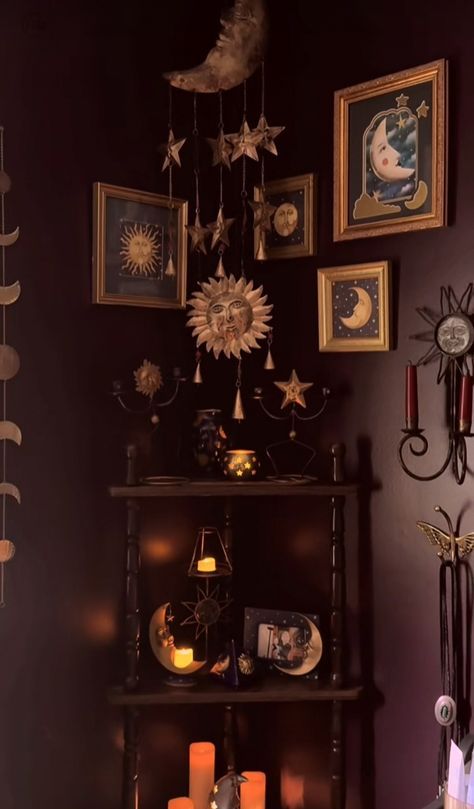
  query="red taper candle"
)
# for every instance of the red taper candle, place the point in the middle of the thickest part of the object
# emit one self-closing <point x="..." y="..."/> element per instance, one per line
<point x="411" y="398"/>
<point x="465" y="404"/>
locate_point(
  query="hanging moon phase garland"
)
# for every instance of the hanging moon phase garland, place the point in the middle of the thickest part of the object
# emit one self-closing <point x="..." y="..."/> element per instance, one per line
<point x="162" y="643"/>
<point x="9" y="367"/>
<point x="229" y="316"/>
<point x="236" y="54"/>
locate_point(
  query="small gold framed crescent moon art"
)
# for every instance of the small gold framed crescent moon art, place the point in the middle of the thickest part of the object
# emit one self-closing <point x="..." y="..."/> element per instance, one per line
<point x="354" y="307"/>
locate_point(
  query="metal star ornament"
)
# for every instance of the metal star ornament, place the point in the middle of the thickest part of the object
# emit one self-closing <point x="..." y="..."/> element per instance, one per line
<point x="198" y="236"/>
<point x="267" y="134"/>
<point x="293" y="390"/>
<point x="401" y="100"/>
<point x="221" y="150"/>
<point x="244" y="142"/>
<point x="220" y="229"/>
<point x="262" y="214"/>
<point x="171" y="150"/>
<point x="423" y="110"/>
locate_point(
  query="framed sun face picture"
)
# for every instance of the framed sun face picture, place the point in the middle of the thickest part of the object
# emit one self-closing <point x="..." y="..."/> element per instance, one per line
<point x="354" y="307"/>
<point x="292" y="207"/>
<point x="389" y="154"/>
<point x="140" y="248"/>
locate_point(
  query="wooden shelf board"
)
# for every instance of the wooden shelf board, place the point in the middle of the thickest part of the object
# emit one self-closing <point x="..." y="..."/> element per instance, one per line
<point x="223" y="488"/>
<point x="271" y="690"/>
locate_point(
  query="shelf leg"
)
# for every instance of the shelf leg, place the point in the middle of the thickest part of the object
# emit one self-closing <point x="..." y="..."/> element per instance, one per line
<point x="130" y="759"/>
<point x="229" y="738"/>
<point x="132" y="612"/>
<point x="338" y="591"/>
<point x="338" y="781"/>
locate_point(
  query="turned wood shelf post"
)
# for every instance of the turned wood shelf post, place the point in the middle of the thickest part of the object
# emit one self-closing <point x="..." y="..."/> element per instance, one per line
<point x="132" y="640"/>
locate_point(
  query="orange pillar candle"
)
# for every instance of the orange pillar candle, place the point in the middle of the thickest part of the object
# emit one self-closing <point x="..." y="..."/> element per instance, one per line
<point x="180" y="803"/>
<point x="252" y="791"/>
<point x="201" y="773"/>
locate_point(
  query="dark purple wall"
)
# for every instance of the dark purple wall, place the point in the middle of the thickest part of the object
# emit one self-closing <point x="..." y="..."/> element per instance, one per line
<point x="82" y="100"/>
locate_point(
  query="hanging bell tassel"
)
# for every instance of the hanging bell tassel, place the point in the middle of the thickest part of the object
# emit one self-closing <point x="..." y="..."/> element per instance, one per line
<point x="220" y="271"/>
<point x="238" y="411"/>
<point x="197" y="378"/>
<point x="170" y="271"/>
<point x="269" y="364"/>
<point x="261" y="254"/>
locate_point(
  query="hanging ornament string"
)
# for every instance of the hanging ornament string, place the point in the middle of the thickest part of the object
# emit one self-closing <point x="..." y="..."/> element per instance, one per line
<point x="220" y="270"/>
<point x="197" y="233"/>
<point x="170" y="271"/>
<point x="243" y="195"/>
<point x="4" y="405"/>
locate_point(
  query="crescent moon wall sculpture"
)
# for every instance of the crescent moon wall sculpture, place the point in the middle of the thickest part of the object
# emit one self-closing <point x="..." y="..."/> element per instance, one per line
<point x="9" y="367"/>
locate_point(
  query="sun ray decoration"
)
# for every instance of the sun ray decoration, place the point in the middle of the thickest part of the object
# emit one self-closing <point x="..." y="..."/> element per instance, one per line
<point x="451" y="338"/>
<point x="140" y="250"/>
<point x="229" y="316"/>
<point x="206" y="610"/>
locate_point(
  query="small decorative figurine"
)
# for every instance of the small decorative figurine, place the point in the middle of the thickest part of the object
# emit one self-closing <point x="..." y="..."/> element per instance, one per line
<point x="177" y="660"/>
<point x="235" y="670"/>
<point x="225" y="794"/>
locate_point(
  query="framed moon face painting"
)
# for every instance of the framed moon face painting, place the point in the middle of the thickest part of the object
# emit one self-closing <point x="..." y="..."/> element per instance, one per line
<point x="390" y="154"/>
<point x="291" y="208"/>
<point x="136" y="233"/>
<point x="354" y="307"/>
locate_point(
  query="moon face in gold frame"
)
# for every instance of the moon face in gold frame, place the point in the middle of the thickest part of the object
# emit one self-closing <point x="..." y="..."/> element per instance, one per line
<point x="285" y="220"/>
<point x="362" y="310"/>
<point x="229" y="316"/>
<point x="163" y="646"/>
<point x="140" y="250"/>
<point x="385" y="159"/>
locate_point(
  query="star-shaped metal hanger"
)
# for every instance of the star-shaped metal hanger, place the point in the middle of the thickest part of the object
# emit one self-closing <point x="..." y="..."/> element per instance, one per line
<point x="171" y="150"/>
<point x="267" y="134"/>
<point x="262" y="214"/>
<point x="244" y="142"/>
<point x="220" y="229"/>
<point x="293" y="390"/>
<point x="221" y="150"/>
<point x="198" y="236"/>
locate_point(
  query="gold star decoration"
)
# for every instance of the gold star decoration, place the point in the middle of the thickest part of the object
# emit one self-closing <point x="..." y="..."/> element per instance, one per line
<point x="401" y="100"/>
<point x="401" y="123"/>
<point x="213" y="805"/>
<point x="267" y="134"/>
<point x="262" y="214"/>
<point x="423" y="110"/>
<point x="293" y="390"/>
<point x="198" y="235"/>
<point x="171" y="150"/>
<point x="244" y="142"/>
<point x="221" y="150"/>
<point x="220" y="229"/>
<point x="215" y="789"/>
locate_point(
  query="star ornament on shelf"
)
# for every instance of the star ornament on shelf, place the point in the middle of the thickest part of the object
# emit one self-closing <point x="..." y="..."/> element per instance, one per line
<point x="221" y="150"/>
<point x="293" y="390"/>
<point x="267" y="135"/>
<point x="262" y="214"/>
<point x="244" y="142"/>
<point x="198" y="236"/>
<point x="220" y="229"/>
<point x="171" y="150"/>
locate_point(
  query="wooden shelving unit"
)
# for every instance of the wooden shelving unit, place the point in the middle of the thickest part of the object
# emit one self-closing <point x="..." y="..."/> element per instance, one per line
<point x="134" y="695"/>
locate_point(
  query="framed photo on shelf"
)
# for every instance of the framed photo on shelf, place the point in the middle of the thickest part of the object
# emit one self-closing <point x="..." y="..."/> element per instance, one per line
<point x="354" y="307"/>
<point x="293" y="222"/>
<point x="287" y="641"/>
<point x="136" y="233"/>
<point x="390" y="154"/>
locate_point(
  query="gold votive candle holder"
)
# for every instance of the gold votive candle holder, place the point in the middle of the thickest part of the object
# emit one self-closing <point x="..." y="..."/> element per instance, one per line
<point x="241" y="464"/>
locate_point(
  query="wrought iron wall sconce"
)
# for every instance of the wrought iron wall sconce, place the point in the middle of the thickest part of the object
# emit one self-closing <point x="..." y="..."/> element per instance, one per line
<point x="451" y="335"/>
<point x="148" y="382"/>
<point x="294" y="397"/>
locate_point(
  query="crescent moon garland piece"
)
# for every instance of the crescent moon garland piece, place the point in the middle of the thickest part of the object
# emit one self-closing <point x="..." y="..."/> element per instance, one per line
<point x="9" y="367"/>
<point x="229" y="316"/>
<point x="235" y="56"/>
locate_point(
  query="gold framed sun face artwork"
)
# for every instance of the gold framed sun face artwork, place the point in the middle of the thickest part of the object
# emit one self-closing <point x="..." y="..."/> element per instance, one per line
<point x="390" y="154"/>
<point x="292" y="204"/>
<point x="354" y="307"/>
<point x="135" y="234"/>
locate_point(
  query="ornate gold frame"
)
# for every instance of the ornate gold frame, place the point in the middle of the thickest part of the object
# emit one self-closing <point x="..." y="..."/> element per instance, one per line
<point x="327" y="341"/>
<point x="437" y="73"/>
<point x="101" y="191"/>
<point x="308" y="182"/>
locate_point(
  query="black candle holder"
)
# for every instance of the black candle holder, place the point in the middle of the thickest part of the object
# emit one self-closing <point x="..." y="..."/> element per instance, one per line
<point x="452" y="338"/>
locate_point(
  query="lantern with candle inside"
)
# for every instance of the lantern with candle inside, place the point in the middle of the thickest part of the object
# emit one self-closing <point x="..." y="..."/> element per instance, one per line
<point x="241" y="464"/>
<point x="210" y="557"/>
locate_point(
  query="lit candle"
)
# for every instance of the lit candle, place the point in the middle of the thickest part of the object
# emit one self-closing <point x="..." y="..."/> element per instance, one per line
<point x="465" y="404"/>
<point x="201" y="773"/>
<point x="411" y="400"/>
<point x="252" y="791"/>
<point x="182" y="658"/>
<point x="180" y="803"/>
<point x="207" y="565"/>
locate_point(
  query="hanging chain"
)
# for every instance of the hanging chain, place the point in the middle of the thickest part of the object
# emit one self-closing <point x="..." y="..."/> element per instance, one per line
<point x="238" y="381"/>
<point x="243" y="194"/>
<point x="4" y="340"/>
